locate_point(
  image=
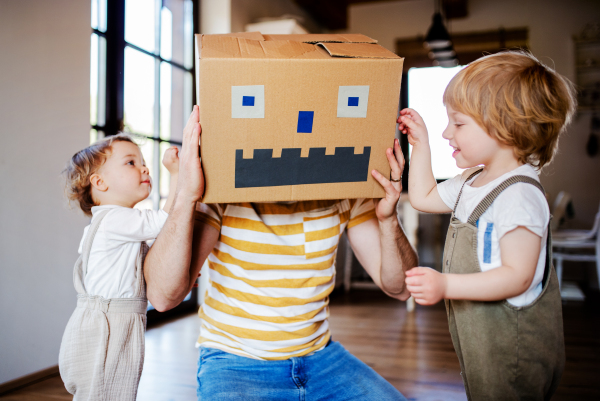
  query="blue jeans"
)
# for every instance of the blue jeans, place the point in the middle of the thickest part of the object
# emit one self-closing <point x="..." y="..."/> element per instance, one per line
<point x="330" y="374"/>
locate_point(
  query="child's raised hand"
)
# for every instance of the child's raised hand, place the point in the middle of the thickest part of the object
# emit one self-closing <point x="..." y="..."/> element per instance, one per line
<point x="412" y="124"/>
<point x="426" y="285"/>
<point x="171" y="160"/>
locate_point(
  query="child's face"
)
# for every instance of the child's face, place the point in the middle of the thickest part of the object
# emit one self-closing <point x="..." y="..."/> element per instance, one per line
<point x="472" y="145"/>
<point x="126" y="175"/>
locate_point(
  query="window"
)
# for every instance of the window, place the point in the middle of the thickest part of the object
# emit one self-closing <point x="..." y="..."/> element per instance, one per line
<point x="423" y="86"/>
<point x="98" y="70"/>
<point x="142" y="77"/>
<point x="142" y="80"/>
<point x="426" y="89"/>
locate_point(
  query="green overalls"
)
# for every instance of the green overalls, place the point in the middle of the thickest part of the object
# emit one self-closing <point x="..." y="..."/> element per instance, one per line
<point x="505" y="352"/>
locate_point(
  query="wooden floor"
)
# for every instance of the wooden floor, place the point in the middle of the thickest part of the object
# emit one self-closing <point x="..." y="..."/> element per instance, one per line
<point x="413" y="351"/>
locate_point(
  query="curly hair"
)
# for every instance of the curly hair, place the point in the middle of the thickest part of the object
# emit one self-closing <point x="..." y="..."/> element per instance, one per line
<point x="517" y="100"/>
<point x="82" y="165"/>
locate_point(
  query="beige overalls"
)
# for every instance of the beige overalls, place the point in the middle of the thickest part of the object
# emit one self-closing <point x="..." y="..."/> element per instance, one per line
<point x="505" y="352"/>
<point x="102" y="350"/>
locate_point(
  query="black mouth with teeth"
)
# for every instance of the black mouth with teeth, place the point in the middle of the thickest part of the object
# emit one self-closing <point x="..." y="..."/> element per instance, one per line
<point x="263" y="170"/>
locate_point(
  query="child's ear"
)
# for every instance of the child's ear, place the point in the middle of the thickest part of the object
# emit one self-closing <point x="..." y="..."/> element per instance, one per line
<point x="98" y="183"/>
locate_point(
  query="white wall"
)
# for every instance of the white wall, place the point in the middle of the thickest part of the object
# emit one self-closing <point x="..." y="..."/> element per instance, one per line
<point x="551" y="23"/>
<point x="44" y="114"/>
<point x="246" y="11"/>
<point x="215" y="16"/>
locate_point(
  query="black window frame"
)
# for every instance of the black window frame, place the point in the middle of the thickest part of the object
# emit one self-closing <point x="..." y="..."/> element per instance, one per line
<point x="114" y="101"/>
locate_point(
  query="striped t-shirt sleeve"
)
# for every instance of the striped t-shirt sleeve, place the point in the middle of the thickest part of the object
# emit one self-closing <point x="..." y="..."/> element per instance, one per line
<point x="211" y="214"/>
<point x="362" y="210"/>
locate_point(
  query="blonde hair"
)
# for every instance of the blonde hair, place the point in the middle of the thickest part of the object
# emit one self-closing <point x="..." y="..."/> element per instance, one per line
<point x="517" y="100"/>
<point x="82" y="165"/>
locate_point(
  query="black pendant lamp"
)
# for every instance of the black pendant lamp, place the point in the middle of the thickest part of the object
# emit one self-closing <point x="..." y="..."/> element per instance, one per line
<point x="438" y="42"/>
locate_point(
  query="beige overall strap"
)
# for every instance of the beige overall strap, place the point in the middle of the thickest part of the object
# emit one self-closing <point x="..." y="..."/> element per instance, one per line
<point x="81" y="265"/>
<point x="463" y="185"/>
<point x="489" y="198"/>
<point x="140" y="290"/>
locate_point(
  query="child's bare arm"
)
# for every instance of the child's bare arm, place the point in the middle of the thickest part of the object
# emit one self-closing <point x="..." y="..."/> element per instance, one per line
<point x="171" y="162"/>
<point x="422" y="187"/>
<point x="519" y="252"/>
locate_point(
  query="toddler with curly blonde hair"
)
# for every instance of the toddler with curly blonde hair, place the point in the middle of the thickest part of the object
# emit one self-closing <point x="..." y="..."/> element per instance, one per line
<point x="506" y="112"/>
<point x="102" y="350"/>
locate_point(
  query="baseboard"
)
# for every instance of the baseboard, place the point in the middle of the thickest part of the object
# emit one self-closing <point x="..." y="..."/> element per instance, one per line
<point x="28" y="380"/>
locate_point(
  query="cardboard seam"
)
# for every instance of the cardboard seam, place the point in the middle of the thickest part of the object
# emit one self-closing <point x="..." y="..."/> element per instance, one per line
<point x="371" y="40"/>
<point x="263" y="48"/>
<point x="239" y="47"/>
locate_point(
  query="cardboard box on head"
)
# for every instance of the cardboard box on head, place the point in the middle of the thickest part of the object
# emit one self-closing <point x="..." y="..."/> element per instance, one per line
<point x="295" y="117"/>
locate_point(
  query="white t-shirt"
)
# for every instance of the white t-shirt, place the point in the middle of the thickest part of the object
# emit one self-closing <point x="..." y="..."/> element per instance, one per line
<point x="520" y="204"/>
<point x="111" y="268"/>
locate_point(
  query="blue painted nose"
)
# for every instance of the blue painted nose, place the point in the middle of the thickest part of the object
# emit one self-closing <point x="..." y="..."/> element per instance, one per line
<point x="305" y="121"/>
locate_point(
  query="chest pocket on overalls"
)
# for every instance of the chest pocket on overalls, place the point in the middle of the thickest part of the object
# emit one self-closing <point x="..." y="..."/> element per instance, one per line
<point x="321" y="232"/>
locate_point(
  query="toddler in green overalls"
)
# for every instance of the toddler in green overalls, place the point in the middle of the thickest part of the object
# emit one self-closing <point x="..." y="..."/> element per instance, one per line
<point x="506" y="112"/>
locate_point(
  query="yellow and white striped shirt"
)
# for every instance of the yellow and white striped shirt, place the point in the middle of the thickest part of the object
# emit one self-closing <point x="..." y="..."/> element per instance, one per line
<point x="271" y="273"/>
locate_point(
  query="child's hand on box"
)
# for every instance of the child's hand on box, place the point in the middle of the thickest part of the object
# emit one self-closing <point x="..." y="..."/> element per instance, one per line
<point x="171" y="160"/>
<point x="426" y="285"/>
<point x="412" y="124"/>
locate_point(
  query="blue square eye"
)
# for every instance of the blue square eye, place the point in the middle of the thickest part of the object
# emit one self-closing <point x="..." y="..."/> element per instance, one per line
<point x="305" y="121"/>
<point x="249" y="101"/>
<point x="352" y="101"/>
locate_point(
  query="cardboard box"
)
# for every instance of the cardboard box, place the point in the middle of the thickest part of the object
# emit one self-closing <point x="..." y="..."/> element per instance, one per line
<point x="295" y="117"/>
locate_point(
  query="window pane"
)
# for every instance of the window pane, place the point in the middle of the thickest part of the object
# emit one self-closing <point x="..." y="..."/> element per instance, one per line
<point x="99" y="15"/>
<point x="97" y="80"/>
<point x="165" y="100"/>
<point x="425" y="94"/>
<point x="188" y="34"/>
<point x="166" y="33"/>
<point x="176" y="101"/>
<point x="177" y="20"/>
<point x="140" y="23"/>
<point x="95" y="136"/>
<point x="94" y="80"/>
<point x="165" y="176"/>
<point x="188" y="92"/>
<point x="138" y="114"/>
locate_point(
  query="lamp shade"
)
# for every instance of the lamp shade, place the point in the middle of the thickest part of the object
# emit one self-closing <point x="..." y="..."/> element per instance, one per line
<point x="437" y="36"/>
<point x="442" y="53"/>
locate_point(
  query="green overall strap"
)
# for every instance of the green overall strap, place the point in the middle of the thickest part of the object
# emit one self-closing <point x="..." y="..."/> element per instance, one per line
<point x="489" y="199"/>
<point x="463" y="185"/>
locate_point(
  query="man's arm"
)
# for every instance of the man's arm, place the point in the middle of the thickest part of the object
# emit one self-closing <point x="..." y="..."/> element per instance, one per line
<point x="381" y="245"/>
<point x="385" y="253"/>
<point x="167" y="270"/>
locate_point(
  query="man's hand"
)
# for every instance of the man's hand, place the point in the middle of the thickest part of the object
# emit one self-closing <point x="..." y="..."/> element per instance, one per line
<point x="386" y="207"/>
<point x="190" y="185"/>
<point x="426" y="285"/>
<point x="411" y="123"/>
<point x="171" y="160"/>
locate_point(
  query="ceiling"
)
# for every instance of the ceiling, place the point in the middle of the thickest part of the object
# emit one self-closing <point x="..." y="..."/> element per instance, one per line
<point x="333" y="14"/>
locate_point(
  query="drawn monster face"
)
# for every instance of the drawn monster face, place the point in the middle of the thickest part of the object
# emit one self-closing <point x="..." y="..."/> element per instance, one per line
<point x="295" y="123"/>
<point x="263" y="170"/>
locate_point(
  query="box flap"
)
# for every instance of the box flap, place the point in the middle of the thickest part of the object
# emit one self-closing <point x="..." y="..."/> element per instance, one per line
<point x="232" y="47"/>
<point x="310" y="46"/>
<point x="357" y="50"/>
<point x="323" y="38"/>
<point x="242" y="35"/>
